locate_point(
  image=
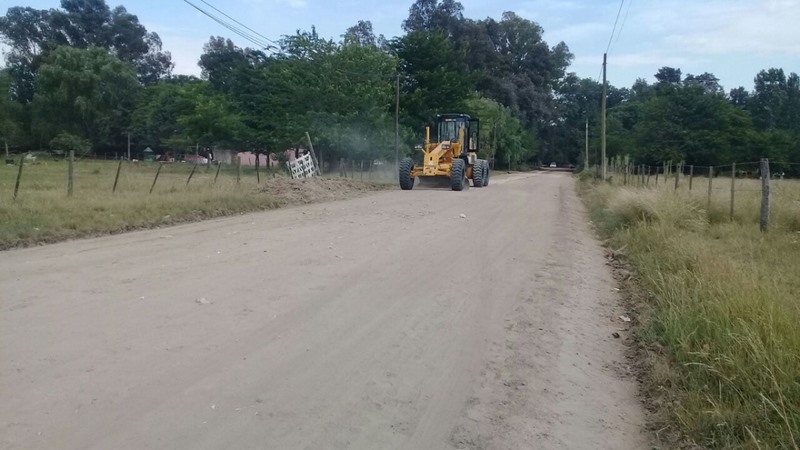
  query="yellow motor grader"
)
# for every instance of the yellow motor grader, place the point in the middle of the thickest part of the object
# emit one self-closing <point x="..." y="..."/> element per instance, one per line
<point x="452" y="157"/>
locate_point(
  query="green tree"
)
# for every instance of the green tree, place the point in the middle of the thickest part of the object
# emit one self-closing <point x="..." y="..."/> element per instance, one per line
<point x="513" y="65"/>
<point x="362" y="34"/>
<point x="434" y="76"/>
<point x="85" y="92"/>
<point x="688" y="123"/>
<point x="68" y="142"/>
<point x="775" y="102"/>
<point x="707" y="81"/>
<point x="10" y="112"/>
<point x="155" y="119"/>
<point x="669" y="75"/>
<point x="503" y="137"/>
<point x="432" y="15"/>
<point x="212" y="120"/>
<point x="739" y="97"/>
<point x="31" y="34"/>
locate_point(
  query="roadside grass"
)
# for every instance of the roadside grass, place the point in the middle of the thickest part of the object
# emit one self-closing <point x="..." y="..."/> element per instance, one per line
<point x="44" y="213"/>
<point x="722" y="307"/>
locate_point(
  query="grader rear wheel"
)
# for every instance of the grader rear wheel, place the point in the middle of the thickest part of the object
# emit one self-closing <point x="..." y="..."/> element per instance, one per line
<point x="478" y="170"/>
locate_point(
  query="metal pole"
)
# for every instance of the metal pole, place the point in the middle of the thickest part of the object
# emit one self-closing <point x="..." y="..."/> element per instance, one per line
<point x="71" y="176"/>
<point x="710" y="181"/>
<point x="733" y="187"/>
<point x="603" y="120"/>
<point x="397" y="127"/>
<point x="764" y="222"/>
<point x="586" y="156"/>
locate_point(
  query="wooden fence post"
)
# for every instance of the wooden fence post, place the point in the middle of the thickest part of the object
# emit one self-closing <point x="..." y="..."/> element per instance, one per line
<point x="657" y="170"/>
<point x="691" y="176"/>
<point x="19" y="175"/>
<point x="677" y="176"/>
<point x="116" y="178"/>
<point x="710" y="180"/>
<point x="71" y="173"/>
<point x="258" y="164"/>
<point x="156" y="178"/>
<point x="733" y="187"/>
<point x="317" y="163"/>
<point x="764" y="194"/>
<point x="219" y="166"/>
<point x="191" y="174"/>
<point x="238" y="169"/>
<point x="667" y="171"/>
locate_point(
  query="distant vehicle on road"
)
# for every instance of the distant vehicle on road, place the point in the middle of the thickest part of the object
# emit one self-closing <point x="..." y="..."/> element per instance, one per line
<point x="553" y="165"/>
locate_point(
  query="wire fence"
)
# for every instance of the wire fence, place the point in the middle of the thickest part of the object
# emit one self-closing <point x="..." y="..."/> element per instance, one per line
<point x="26" y="175"/>
<point x="744" y="191"/>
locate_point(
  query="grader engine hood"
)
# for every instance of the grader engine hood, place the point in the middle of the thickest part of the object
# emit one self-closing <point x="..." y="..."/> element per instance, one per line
<point x="432" y="161"/>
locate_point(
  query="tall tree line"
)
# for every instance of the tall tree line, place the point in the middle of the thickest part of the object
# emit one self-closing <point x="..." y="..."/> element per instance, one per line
<point x="92" y="73"/>
<point x="691" y="118"/>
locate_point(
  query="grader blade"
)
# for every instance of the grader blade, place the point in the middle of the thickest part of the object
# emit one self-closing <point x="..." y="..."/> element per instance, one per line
<point x="434" y="182"/>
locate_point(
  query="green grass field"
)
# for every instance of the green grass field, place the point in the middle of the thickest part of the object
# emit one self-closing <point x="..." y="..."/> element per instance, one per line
<point x="43" y="212"/>
<point x="721" y="306"/>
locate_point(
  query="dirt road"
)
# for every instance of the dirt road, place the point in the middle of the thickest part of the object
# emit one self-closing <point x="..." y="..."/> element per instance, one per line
<point x="383" y="322"/>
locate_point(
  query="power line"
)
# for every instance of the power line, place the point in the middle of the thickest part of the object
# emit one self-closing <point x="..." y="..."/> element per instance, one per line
<point x="240" y="23"/>
<point x="619" y="12"/>
<point x="239" y="32"/>
<point x="253" y="39"/>
<point x="624" y="20"/>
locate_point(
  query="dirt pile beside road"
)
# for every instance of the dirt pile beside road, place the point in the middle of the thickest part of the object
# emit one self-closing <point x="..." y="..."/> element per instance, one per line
<point x="288" y="192"/>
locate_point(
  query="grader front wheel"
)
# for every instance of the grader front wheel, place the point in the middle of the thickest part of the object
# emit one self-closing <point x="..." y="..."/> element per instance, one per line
<point x="457" y="175"/>
<point x="406" y="182"/>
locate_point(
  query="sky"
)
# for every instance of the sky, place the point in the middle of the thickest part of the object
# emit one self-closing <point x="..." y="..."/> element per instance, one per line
<point x="733" y="39"/>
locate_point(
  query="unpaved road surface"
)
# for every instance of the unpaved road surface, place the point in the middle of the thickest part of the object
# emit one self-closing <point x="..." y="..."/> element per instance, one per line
<point x="382" y="322"/>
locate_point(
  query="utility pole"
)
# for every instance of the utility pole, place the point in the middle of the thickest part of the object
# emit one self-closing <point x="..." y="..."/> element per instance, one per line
<point x="129" y="145"/>
<point x="494" y="144"/>
<point x="603" y="122"/>
<point x="586" y="155"/>
<point x="397" y="126"/>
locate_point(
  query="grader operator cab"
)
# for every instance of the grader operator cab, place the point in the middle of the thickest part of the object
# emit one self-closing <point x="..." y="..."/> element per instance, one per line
<point x="452" y="158"/>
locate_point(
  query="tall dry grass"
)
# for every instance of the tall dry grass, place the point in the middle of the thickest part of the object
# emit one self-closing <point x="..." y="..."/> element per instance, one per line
<point x="723" y="309"/>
